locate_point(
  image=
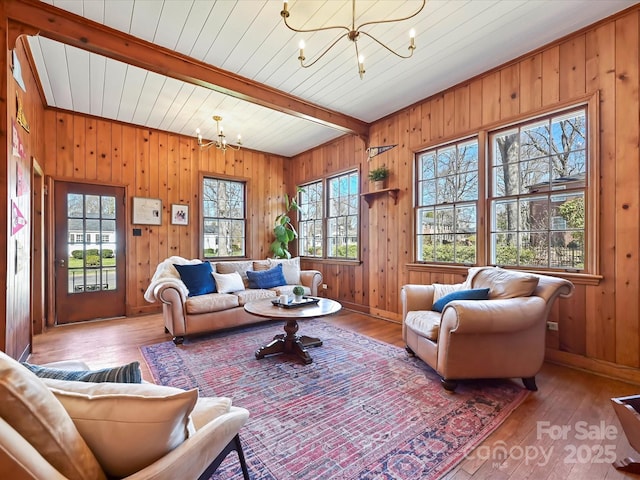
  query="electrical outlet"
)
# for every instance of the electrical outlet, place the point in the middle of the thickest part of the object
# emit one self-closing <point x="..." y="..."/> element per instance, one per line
<point x="324" y="286"/>
<point x="552" y="326"/>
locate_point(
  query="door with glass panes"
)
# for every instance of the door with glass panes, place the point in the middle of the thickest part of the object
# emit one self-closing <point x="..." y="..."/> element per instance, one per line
<point x="89" y="252"/>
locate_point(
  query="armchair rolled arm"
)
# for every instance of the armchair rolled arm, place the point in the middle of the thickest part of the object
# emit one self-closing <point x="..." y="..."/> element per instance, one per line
<point x="195" y="454"/>
<point x="416" y="297"/>
<point x="169" y="293"/>
<point x="492" y="316"/>
<point x="311" y="279"/>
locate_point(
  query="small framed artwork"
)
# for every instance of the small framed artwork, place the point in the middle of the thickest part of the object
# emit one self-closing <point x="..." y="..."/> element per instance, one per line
<point x="147" y="211"/>
<point x="179" y="214"/>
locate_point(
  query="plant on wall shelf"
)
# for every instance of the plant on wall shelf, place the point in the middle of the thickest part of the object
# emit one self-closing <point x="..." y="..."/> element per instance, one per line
<point x="378" y="174"/>
<point x="283" y="229"/>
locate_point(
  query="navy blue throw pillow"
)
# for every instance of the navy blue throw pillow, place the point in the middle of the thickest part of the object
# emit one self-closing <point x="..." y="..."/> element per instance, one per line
<point x="473" y="294"/>
<point x="197" y="278"/>
<point x="129" y="373"/>
<point x="274" y="277"/>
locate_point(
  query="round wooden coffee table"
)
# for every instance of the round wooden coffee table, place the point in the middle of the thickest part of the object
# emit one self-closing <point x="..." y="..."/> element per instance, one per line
<point x="290" y="341"/>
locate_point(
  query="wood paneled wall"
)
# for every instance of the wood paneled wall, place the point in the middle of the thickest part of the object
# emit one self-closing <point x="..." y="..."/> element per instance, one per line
<point x="157" y="164"/>
<point x="600" y="325"/>
<point x="22" y="148"/>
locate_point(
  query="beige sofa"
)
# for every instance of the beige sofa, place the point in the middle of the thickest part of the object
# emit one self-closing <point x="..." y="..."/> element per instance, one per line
<point x="56" y="430"/>
<point x="187" y="315"/>
<point x="501" y="337"/>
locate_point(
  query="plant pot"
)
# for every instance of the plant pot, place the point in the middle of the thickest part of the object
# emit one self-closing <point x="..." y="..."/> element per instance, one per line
<point x="298" y="298"/>
<point x="379" y="184"/>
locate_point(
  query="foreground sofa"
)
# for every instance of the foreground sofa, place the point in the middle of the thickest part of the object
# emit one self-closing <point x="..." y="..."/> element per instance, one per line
<point x="500" y="337"/>
<point x="56" y="430"/>
<point x="185" y="314"/>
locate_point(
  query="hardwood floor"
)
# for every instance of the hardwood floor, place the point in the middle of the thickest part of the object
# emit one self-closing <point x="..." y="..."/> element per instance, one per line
<point x="562" y="431"/>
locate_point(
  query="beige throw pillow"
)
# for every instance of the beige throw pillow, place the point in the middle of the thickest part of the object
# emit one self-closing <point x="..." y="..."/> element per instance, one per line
<point x="31" y="409"/>
<point x="228" y="282"/>
<point x="127" y="426"/>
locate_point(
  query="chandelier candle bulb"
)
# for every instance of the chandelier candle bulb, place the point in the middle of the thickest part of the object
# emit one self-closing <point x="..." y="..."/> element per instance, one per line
<point x="301" y="47"/>
<point x="412" y="39"/>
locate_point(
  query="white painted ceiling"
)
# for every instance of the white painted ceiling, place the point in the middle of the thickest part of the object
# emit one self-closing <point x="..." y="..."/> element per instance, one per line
<point x="456" y="40"/>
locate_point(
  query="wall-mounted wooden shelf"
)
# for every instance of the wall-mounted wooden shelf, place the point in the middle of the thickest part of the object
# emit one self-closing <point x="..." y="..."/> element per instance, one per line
<point x="392" y="192"/>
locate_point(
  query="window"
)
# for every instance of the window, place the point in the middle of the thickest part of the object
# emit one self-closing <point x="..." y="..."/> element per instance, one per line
<point x="310" y="231"/>
<point x="223" y="217"/>
<point x="535" y="175"/>
<point x="331" y="231"/>
<point x="447" y="203"/>
<point x="538" y="186"/>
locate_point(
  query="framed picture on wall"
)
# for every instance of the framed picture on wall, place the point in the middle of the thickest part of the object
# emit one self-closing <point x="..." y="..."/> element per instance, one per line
<point x="147" y="211"/>
<point x="179" y="214"/>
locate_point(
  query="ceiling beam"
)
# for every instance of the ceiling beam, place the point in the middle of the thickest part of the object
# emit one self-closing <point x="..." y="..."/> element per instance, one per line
<point x="35" y="17"/>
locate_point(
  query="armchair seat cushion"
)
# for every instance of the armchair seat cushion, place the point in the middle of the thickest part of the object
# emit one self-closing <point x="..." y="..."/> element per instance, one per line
<point x="425" y="323"/>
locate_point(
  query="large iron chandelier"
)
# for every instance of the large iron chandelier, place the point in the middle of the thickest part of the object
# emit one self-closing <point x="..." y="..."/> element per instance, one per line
<point x="220" y="142"/>
<point x="352" y="33"/>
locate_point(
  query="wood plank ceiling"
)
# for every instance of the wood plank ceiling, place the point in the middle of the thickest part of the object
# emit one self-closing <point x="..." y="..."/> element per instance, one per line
<point x="456" y="39"/>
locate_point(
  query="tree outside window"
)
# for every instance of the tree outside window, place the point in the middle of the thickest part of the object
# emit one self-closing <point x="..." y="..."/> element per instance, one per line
<point x="447" y="203"/>
<point x="538" y="181"/>
<point x="224" y="221"/>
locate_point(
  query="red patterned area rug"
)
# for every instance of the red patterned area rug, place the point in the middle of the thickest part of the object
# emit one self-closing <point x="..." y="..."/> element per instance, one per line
<point x="362" y="410"/>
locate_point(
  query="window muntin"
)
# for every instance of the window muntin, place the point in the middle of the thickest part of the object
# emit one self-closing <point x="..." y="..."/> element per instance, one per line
<point x="447" y="203"/>
<point x="310" y="230"/>
<point x="329" y="218"/>
<point x="342" y="216"/>
<point x="223" y="218"/>
<point x="531" y="164"/>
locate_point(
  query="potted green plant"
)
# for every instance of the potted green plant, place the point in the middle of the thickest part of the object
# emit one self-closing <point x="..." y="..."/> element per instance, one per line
<point x="378" y="176"/>
<point x="283" y="230"/>
<point x="298" y="292"/>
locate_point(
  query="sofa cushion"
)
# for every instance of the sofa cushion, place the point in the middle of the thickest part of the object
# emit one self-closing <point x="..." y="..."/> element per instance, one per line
<point x="425" y="323"/>
<point x="473" y="294"/>
<point x="270" y="278"/>
<point x="214" y="302"/>
<point x="33" y="411"/>
<point x="127" y="426"/>
<point x="246" y="296"/>
<point x="290" y="268"/>
<point x="129" y="373"/>
<point x="197" y="278"/>
<point x="505" y="283"/>
<point x="228" y="282"/>
<point x="240" y="267"/>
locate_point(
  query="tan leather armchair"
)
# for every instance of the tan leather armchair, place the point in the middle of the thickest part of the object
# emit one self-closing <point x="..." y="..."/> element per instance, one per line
<point x="502" y="337"/>
<point x="39" y="440"/>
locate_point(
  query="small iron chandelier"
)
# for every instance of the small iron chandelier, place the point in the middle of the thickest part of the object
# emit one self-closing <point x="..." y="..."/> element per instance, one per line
<point x="352" y="33"/>
<point x="221" y="142"/>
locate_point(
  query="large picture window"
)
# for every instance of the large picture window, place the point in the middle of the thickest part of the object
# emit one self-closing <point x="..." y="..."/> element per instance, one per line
<point x="531" y="186"/>
<point x="223" y="218"/>
<point x="447" y="203"/>
<point x="538" y="187"/>
<point x="329" y="217"/>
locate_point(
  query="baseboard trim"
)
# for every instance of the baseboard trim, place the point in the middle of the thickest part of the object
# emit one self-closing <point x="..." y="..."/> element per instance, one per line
<point x="591" y="365"/>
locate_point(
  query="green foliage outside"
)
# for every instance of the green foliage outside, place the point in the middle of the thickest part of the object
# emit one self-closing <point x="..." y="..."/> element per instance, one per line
<point x="346" y="252"/>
